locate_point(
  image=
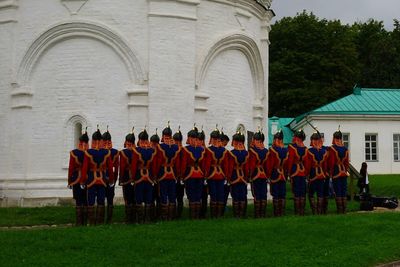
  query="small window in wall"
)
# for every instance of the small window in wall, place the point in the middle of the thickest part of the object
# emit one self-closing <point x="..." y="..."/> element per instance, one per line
<point x="77" y="133"/>
<point x="72" y="131"/>
<point x="346" y="139"/>
<point x="371" y="147"/>
<point x="396" y="147"/>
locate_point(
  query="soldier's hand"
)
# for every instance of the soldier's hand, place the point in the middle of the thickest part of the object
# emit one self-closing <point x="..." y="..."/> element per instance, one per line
<point x="205" y="182"/>
<point x="111" y="185"/>
<point x="225" y="182"/>
<point x="69" y="186"/>
<point x="83" y="186"/>
<point x="133" y="183"/>
<point x="182" y="183"/>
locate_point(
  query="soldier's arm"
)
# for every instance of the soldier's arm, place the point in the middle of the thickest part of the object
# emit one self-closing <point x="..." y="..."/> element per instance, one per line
<point x="85" y="169"/>
<point x="71" y="168"/>
<point x="116" y="166"/>
<point x="206" y="162"/>
<point x="122" y="165"/>
<point x="110" y="170"/>
<point x="134" y="164"/>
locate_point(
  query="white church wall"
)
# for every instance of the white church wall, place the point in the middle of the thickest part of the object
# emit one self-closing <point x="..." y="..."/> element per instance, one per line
<point x="120" y="64"/>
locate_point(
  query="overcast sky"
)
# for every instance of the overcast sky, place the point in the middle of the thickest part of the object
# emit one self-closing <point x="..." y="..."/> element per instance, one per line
<point x="348" y="11"/>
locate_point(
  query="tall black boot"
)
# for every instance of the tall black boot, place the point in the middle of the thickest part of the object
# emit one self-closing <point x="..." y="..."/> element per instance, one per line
<point x="139" y="213"/>
<point x="79" y="215"/>
<point x="100" y="214"/>
<point x="91" y="215"/>
<point x="312" y="205"/>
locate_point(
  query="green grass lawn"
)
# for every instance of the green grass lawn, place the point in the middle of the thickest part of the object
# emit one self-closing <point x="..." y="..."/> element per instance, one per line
<point x="355" y="239"/>
<point x="333" y="240"/>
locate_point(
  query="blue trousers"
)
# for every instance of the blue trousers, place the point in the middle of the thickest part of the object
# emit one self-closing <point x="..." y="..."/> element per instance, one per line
<point x="217" y="190"/>
<point x="168" y="191"/>
<point x="194" y="189"/>
<point x="278" y="190"/>
<point x="316" y="186"/>
<point x="327" y="187"/>
<point x="239" y="192"/>
<point x="340" y="186"/>
<point x="259" y="189"/>
<point x="96" y="192"/>
<point x="144" y="193"/>
<point x="110" y="193"/>
<point x="128" y="192"/>
<point x="299" y="186"/>
<point x="80" y="195"/>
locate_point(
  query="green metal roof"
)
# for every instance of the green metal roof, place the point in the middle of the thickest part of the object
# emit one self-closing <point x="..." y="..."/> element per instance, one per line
<point x="281" y="124"/>
<point x="363" y="101"/>
<point x="371" y="101"/>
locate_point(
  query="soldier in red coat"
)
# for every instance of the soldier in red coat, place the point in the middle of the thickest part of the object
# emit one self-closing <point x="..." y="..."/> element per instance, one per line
<point x="297" y="171"/>
<point x="258" y="176"/>
<point x="156" y="205"/>
<point x="204" y="194"/>
<point x="338" y="162"/>
<point x="180" y="188"/>
<point x="74" y="175"/>
<point x="227" y="189"/>
<point x="192" y="172"/>
<point x="238" y="175"/>
<point x="110" y="188"/>
<point x="318" y="171"/>
<point x="97" y="161"/>
<point x="143" y="169"/>
<point x="126" y="178"/>
<point x="216" y="166"/>
<point x="168" y="162"/>
<point x="276" y="171"/>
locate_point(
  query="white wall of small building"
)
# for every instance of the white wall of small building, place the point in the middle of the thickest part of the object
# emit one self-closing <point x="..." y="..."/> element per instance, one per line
<point x="357" y="127"/>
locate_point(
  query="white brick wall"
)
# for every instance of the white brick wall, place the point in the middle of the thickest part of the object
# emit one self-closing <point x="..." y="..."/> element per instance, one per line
<point x="48" y="75"/>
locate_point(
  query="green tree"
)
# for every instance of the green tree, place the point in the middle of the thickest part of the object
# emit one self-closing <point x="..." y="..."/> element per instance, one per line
<point x="376" y="54"/>
<point x="312" y="62"/>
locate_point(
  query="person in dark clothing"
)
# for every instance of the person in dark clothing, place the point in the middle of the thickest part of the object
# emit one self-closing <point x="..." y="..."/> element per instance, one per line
<point x="363" y="182"/>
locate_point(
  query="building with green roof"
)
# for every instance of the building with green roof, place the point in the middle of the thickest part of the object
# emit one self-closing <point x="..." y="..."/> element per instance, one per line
<point x="369" y="119"/>
<point x="275" y="124"/>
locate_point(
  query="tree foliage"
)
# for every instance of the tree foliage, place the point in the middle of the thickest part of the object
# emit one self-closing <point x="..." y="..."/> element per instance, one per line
<point x="315" y="61"/>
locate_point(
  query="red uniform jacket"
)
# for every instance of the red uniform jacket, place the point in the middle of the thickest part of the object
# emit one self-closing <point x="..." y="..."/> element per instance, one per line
<point x="216" y="163"/>
<point x="238" y="170"/>
<point x="277" y="162"/>
<point x="297" y="161"/>
<point x="338" y="161"/>
<point x="95" y="165"/>
<point x="125" y="159"/>
<point x="192" y="162"/>
<point x="76" y="157"/>
<point x="317" y="160"/>
<point x="143" y="164"/>
<point x="115" y="162"/>
<point x="257" y="163"/>
<point x="168" y="161"/>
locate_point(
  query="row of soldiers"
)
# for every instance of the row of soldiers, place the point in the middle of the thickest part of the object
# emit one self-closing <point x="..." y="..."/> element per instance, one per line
<point x="149" y="170"/>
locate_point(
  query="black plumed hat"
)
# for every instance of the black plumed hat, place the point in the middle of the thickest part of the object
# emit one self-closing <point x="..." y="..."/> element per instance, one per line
<point x="178" y="135"/>
<point x="155" y="138"/>
<point x="84" y="138"/>
<point x="278" y="135"/>
<point x="107" y="135"/>
<point x="167" y="131"/>
<point x="143" y="135"/>
<point x="300" y="134"/>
